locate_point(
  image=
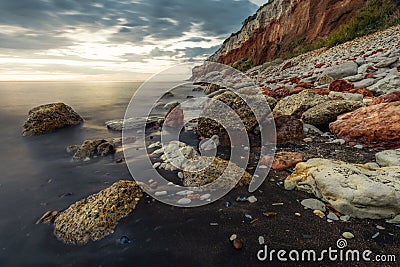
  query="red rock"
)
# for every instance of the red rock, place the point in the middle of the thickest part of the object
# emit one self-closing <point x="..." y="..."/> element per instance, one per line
<point x="392" y="97"/>
<point x="282" y="92"/>
<point x="369" y="75"/>
<point x="363" y="91"/>
<point x="174" y="118"/>
<point x="269" y="92"/>
<point x="305" y="85"/>
<point x="296" y="90"/>
<point x="288" y="128"/>
<point x="285" y="160"/>
<point x="374" y="126"/>
<point x="341" y="86"/>
<point x="320" y="65"/>
<point x="321" y="91"/>
<point x="294" y="80"/>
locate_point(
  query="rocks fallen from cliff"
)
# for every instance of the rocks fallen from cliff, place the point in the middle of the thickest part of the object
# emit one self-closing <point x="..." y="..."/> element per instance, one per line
<point x="96" y="216"/>
<point x="213" y="168"/>
<point x="47" y="118"/>
<point x="327" y="112"/>
<point x="352" y="189"/>
<point x="372" y="126"/>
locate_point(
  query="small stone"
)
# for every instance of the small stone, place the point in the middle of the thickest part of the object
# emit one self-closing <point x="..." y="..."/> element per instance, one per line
<point x="180" y="175"/>
<point x="359" y="146"/>
<point x="160" y="193"/>
<point x="228" y="204"/>
<point x="339" y="141"/>
<point x="332" y="216"/>
<point x="345" y="218"/>
<point x="298" y="214"/>
<point x="270" y="214"/>
<point x="205" y="196"/>
<point x="237" y="244"/>
<point x="248" y="216"/>
<point x="380" y="227"/>
<point x="124" y="240"/>
<point x="261" y="240"/>
<point x="319" y="213"/>
<point x="246" y="148"/>
<point x="241" y="198"/>
<point x="306" y="236"/>
<point x="156" y="165"/>
<point x="307" y="140"/>
<point x="213" y="224"/>
<point x="277" y="204"/>
<point x="184" y="201"/>
<point x="153" y="185"/>
<point x="184" y="192"/>
<point x="329" y="221"/>
<point x="233" y="237"/>
<point x="348" y="235"/>
<point x="252" y="199"/>
<point x="375" y="235"/>
<point x="313" y="204"/>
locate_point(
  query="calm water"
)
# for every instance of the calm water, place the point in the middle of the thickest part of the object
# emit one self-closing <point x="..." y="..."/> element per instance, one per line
<point x="28" y="163"/>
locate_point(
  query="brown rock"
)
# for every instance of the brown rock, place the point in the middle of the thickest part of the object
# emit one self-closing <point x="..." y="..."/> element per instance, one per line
<point x="284" y="160"/>
<point x="47" y="118"/>
<point x="372" y="126"/>
<point x="362" y="91"/>
<point x="341" y="86"/>
<point x="288" y="128"/>
<point x="391" y="97"/>
<point x="174" y="118"/>
<point x="305" y="85"/>
<point x="96" y="216"/>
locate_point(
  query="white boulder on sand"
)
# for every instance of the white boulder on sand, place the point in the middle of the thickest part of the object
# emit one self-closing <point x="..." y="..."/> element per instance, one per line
<point x="352" y="189"/>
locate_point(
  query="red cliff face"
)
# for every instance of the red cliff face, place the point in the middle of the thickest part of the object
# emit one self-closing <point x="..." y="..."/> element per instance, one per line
<point x="278" y="28"/>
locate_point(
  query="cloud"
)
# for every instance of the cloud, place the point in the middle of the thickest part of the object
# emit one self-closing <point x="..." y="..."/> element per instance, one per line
<point x="172" y="30"/>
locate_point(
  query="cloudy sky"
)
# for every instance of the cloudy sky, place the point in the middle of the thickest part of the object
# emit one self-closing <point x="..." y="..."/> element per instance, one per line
<point x="111" y="39"/>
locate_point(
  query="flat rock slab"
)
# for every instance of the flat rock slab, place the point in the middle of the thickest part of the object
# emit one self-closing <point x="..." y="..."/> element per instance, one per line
<point x="47" y="118"/>
<point x="352" y="189"/>
<point x="388" y="158"/>
<point x="96" y="216"/>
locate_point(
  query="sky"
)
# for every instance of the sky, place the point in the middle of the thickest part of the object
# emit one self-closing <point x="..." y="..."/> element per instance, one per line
<point x="111" y="39"/>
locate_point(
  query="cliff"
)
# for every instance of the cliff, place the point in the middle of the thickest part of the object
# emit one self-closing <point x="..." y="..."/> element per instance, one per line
<point x="282" y="27"/>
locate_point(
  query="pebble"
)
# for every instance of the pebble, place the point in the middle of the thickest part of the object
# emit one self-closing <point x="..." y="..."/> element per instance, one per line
<point x="375" y="235"/>
<point x="246" y="148"/>
<point x="241" y="198"/>
<point x="339" y="141"/>
<point x="348" y="235"/>
<point x="160" y="193"/>
<point x="170" y="183"/>
<point x="332" y="216"/>
<point x="248" y="216"/>
<point x="205" y="196"/>
<point x="184" y="201"/>
<point x="380" y="227"/>
<point x="345" y="218"/>
<point x="261" y="240"/>
<point x="270" y="214"/>
<point x="252" y="199"/>
<point x="306" y="236"/>
<point x="213" y="224"/>
<point x="277" y="204"/>
<point x="307" y="140"/>
<point x="184" y="193"/>
<point x="359" y="146"/>
<point x="297" y="214"/>
<point x="319" y="213"/>
<point x="124" y="240"/>
<point x="156" y="165"/>
<point x="153" y="185"/>
<point x="237" y="244"/>
<point x="228" y="204"/>
<point x="313" y="204"/>
<point x="180" y="175"/>
<point x="233" y="237"/>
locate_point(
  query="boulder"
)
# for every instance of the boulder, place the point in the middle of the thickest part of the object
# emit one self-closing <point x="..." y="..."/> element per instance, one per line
<point x="47" y="118"/>
<point x="327" y="112"/>
<point x="388" y="158"/>
<point x="352" y="189"/>
<point x="288" y="129"/>
<point x="391" y="97"/>
<point x="341" y="86"/>
<point x="208" y="127"/>
<point x="324" y="79"/>
<point x="296" y="105"/>
<point x="345" y="96"/>
<point x="91" y="148"/>
<point x="96" y="216"/>
<point x="372" y="126"/>
<point x="211" y="169"/>
<point x="342" y="70"/>
<point x="284" y="160"/>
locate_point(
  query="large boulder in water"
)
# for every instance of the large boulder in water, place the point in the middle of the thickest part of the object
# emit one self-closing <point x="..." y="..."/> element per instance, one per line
<point x="49" y="117"/>
<point x="96" y="216"/>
